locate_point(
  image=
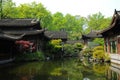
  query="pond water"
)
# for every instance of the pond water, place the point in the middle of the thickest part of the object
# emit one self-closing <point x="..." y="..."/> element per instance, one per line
<point x="68" y="69"/>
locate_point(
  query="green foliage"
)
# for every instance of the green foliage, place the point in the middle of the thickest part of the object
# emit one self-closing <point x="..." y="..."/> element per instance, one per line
<point x="58" y="21"/>
<point x="54" y="46"/>
<point x="72" y="49"/>
<point x="32" y="10"/>
<point x="68" y="70"/>
<point x="100" y="41"/>
<point x="97" y="68"/>
<point x="78" y="46"/>
<point x="97" y="22"/>
<point x="68" y="50"/>
<point x="8" y="9"/>
<point x="107" y="57"/>
<point x="56" y="43"/>
<point x="39" y="55"/>
<point x="98" y="52"/>
<point x="74" y="25"/>
<point x="30" y="56"/>
<point x="87" y="52"/>
<point x="98" y="48"/>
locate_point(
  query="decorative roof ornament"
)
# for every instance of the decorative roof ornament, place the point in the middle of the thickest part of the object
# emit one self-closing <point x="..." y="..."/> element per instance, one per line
<point x="115" y="11"/>
<point x="34" y="21"/>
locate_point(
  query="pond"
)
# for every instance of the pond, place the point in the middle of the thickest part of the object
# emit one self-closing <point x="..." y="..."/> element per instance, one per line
<point x="67" y="69"/>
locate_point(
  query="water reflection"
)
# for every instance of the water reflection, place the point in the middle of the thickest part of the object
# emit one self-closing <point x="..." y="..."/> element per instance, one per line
<point x="68" y="69"/>
<point x="113" y="73"/>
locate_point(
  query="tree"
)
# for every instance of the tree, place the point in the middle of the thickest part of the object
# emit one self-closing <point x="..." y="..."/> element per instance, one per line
<point x="32" y="10"/>
<point x="97" y="22"/>
<point x="58" y="21"/>
<point x="74" y="26"/>
<point x="8" y="9"/>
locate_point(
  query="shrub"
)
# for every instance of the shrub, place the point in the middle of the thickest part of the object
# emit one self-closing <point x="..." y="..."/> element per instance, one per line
<point x="78" y="46"/>
<point x="40" y="55"/>
<point x="98" y="48"/>
<point x="107" y="57"/>
<point x="54" y="46"/>
<point x="72" y="49"/>
<point x="68" y="50"/>
<point x="30" y="56"/>
<point x="97" y="68"/>
<point x="98" y="53"/>
<point x="87" y="52"/>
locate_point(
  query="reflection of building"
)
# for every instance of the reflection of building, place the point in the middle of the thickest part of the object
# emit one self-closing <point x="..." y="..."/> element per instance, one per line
<point x="113" y="73"/>
<point x="111" y="37"/>
<point x="12" y="30"/>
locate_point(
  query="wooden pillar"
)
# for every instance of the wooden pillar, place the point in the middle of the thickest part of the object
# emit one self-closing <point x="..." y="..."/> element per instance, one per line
<point x="109" y="45"/>
<point x="118" y="45"/>
<point x="37" y="45"/>
<point x="105" y="45"/>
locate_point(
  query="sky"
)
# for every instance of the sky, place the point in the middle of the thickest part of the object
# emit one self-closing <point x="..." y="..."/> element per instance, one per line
<point x="78" y="7"/>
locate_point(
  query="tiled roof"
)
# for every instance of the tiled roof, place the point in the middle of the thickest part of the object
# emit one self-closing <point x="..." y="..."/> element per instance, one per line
<point x="92" y="34"/>
<point x="56" y="34"/>
<point x="14" y="28"/>
<point x="19" y="23"/>
<point x="114" y="25"/>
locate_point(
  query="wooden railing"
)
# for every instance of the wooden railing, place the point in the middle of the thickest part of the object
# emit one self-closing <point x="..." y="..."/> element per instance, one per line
<point x="115" y="58"/>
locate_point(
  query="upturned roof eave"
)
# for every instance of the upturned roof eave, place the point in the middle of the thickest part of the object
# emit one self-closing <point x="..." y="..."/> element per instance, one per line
<point x="112" y="24"/>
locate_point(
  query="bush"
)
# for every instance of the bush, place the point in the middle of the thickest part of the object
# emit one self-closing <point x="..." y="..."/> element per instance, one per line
<point x="40" y="55"/>
<point x="30" y="56"/>
<point x="87" y="52"/>
<point x="78" y="46"/>
<point x="68" y="50"/>
<point x="107" y="57"/>
<point x="72" y="49"/>
<point x="98" y="52"/>
<point x="54" y="46"/>
<point x="98" y="48"/>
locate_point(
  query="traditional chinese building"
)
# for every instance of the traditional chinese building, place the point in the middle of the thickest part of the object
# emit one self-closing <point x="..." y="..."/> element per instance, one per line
<point x="88" y="38"/>
<point x="111" y="37"/>
<point x="56" y="35"/>
<point x="16" y="34"/>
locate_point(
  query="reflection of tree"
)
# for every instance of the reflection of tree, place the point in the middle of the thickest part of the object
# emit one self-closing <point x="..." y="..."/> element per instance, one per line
<point x="100" y="68"/>
<point x="25" y="71"/>
<point x="67" y="70"/>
